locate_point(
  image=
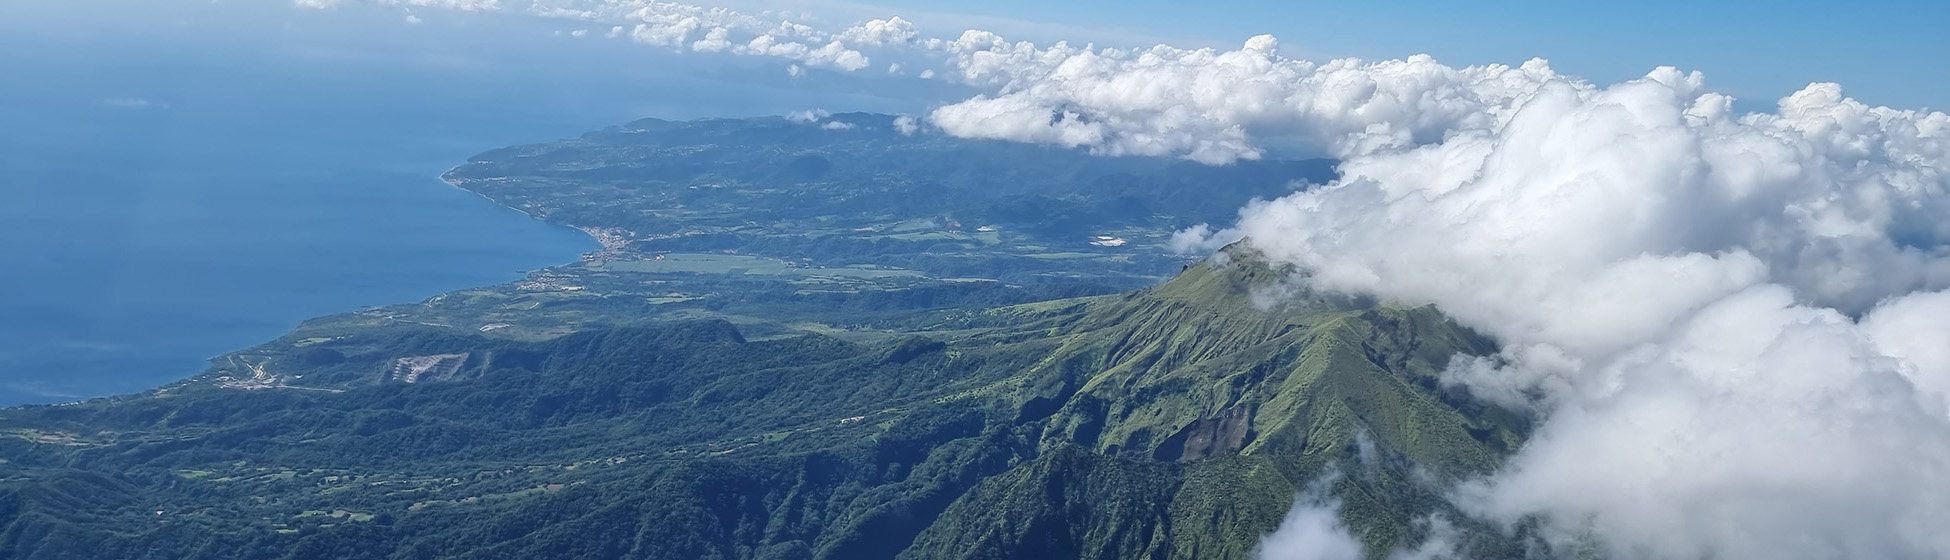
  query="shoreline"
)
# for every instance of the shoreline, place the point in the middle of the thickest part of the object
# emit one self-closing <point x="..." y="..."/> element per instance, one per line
<point x="442" y="177"/>
<point x="590" y="232"/>
<point x="210" y="363"/>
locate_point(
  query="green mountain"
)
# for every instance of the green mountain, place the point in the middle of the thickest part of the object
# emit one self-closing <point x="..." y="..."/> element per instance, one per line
<point x="1177" y="421"/>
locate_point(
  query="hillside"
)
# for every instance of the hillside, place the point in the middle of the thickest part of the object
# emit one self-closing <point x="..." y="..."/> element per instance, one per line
<point x="1172" y="422"/>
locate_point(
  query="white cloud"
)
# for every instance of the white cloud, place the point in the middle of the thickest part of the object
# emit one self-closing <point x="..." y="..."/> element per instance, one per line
<point x="1207" y="105"/>
<point x="413" y="19"/>
<point x="1758" y="429"/>
<point x="133" y="103"/>
<point x="715" y="40"/>
<point x="1672" y="285"/>
<point x="1585" y="193"/>
<point x="1198" y="240"/>
<point x="701" y="29"/>
<point x="696" y="28"/>
<point x="468" y="5"/>
<point x="452" y="4"/>
<point x="1202" y="104"/>
<point x="1312" y="530"/>
<point x="881" y="32"/>
<point x="837" y="125"/>
<point x="906" y="125"/>
<point x="664" y="35"/>
<point x="1909" y="329"/>
<point x="808" y="116"/>
<point x="1440" y="543"/>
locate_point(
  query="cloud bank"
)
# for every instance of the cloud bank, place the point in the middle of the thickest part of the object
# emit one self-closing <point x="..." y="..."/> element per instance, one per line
<point x="468" y="5"/>
<point x="1733" y="329"/>
<point x="1207" y="105"/>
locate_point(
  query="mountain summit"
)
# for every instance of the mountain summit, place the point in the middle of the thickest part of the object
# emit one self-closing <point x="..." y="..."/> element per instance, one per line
<point x="1178" y="421"/>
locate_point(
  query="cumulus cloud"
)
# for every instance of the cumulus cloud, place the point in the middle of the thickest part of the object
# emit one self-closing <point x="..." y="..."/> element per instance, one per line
<point x="1199" y="240"/>
<point x="906" y="125"/>
<point x="1208" y="105"/>
<point x="881" y="32"/>
<point x="1584" y="194"/>
<point x="1676" y="288"/>
<point x="1909" y="329"/>
<point x="468" y="5"/>
<point x="808" y="116"/>
<point x="688" y="27"/>
<point x="701" y="29"/>
<point x="1759" y="429"/>
<point x="717" y="39"/>
<point x="819" y="117"/>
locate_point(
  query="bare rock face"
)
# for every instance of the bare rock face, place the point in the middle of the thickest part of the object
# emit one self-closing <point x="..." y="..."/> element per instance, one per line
<point x="414" y="369"/>
<point x="1230" y="430"/>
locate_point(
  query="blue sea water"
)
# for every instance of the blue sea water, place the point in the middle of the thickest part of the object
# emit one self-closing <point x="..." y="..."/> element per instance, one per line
<point x="168" y="194"/>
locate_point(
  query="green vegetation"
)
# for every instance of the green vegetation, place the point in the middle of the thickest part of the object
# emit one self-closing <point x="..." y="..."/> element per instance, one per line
<point x="924" y="202"/>
<point x="1174" y="422"/>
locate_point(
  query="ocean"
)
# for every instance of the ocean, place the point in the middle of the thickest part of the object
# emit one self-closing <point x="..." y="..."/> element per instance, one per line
<point x="171" y="194"/>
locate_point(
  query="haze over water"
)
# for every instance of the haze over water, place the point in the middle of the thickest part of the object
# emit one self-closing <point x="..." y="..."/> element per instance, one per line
<point x="152" y="217"/>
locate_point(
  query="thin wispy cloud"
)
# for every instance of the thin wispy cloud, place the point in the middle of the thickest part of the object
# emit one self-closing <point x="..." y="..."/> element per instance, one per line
<point x="133" y="103"/>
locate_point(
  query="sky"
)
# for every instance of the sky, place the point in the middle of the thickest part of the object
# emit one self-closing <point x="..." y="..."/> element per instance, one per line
<point x="1885" y="53"/>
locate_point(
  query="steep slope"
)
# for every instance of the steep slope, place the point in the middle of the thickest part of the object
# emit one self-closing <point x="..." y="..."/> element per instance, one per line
<point x="1173" y="422"/>
<point x="1195" y="367"/>
<point x="1256" y="386"/>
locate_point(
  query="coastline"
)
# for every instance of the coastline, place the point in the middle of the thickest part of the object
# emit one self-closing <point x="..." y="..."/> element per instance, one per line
<point x="443" y="177"/>
<point x="604" y="238"/>
<point x="212" y="363"/>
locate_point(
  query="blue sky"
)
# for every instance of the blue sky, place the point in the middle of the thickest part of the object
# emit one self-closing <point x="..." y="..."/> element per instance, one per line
<point x="1888" y="53"/>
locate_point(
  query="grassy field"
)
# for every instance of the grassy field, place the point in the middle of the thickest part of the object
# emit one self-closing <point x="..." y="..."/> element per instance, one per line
<point x="700" y="263"/>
